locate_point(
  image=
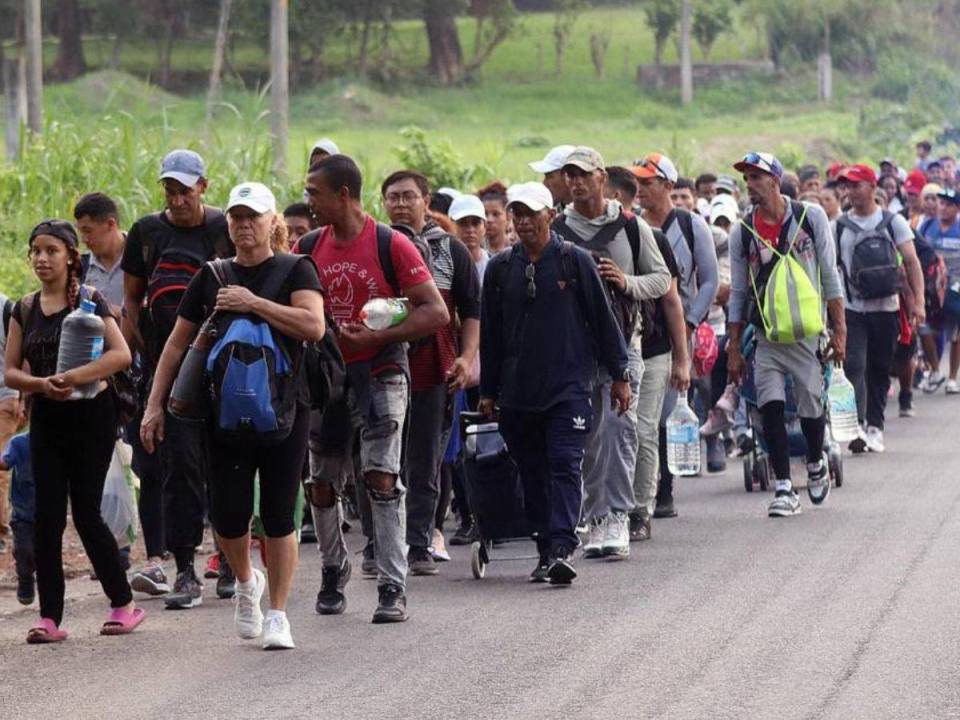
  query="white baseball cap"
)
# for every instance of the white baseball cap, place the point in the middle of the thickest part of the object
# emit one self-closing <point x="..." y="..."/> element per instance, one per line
<point x="326" y="145"/>
<point x="724" y="206"/>
<point x="534" y="195"/>
<point x="466" y="206"/>
<point x="449" y="192"/>
<point x="554" y="160"/>
<point x="253" y="195"/>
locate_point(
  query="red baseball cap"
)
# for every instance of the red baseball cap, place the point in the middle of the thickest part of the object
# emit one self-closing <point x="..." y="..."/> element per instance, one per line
<point x="834" y="170"/>
<point x="858" y="173"/>
<point x="915" y="182"/>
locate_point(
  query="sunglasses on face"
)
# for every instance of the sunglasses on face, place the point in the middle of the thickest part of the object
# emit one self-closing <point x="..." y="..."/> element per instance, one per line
<point x="529" y="273"/>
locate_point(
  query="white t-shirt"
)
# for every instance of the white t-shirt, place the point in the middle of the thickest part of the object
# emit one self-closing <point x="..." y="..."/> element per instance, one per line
<point x="901" y="232"/>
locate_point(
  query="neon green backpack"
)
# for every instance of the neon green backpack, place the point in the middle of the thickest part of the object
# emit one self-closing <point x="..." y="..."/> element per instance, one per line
<point x="790" y="309"/>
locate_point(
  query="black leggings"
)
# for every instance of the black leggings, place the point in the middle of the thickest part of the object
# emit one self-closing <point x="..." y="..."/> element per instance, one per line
<point x="778" y="444"/>
<point x="231" y="482"/>
<point x="71" y="445"/>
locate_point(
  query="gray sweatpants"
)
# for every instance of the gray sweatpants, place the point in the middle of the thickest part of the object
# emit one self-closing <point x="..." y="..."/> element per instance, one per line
<point x="774" y="361"/>
<point x="656" y="376"/>
<point x="611" y="451"/>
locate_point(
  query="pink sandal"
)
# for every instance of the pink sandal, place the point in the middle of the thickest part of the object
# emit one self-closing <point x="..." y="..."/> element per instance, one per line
<point x="44" y="632"/>
<point x="122" y="622"/>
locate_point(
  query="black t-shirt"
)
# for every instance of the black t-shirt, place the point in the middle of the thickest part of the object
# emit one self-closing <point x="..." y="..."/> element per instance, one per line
<point x="164" y="234"/>
<point x="660" y="342"/>
<point x="207" y="241"/>
<point x="41" y="335"/>
<point x="201" y="295"/>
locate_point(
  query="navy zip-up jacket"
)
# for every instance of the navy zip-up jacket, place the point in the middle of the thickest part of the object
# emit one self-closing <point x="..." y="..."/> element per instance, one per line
<point x="536" y="353"/>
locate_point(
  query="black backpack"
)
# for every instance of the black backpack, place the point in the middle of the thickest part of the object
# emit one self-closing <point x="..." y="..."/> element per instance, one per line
<point x="624" y="307"/>
<point x="170" y="271"/>
<point x="254" y="383"/>
<point x="7" y="314"/>
<point x="874" y="270"/>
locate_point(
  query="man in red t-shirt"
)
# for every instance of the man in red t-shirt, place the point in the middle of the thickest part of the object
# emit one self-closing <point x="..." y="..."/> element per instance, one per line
<point x="439" y="365"/>
<point x="346" y="251"/>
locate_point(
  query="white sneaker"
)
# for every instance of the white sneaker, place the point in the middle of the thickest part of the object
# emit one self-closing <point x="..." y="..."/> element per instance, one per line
<point x="875" y="439"/>
<point x="597" y="534"/>
<point x="616" y="541"/>
<point x="952" y="387"/>
<point x="933" y="383"/>
<point x="276" y="632"/>
<point x="247" y="615"/>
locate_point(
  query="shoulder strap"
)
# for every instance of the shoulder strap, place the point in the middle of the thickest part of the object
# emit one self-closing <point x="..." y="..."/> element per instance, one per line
<point x="84" y="266"/>
<point x="561" y="228"/>
<point x="633" y="237"/>
<point x="685" y="221"/>
<point x="26" y="308"/>
<point x="385" y="255"/>
<point x="886" y="221"/>
<point x="567" y="270"/>
<point x="308" y="242"/>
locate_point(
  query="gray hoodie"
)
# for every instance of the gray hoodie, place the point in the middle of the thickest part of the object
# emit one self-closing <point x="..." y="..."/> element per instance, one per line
<point x="648" y="281"/>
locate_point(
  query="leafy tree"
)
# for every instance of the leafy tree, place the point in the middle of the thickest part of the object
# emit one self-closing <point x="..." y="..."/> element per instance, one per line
<point x="710" y="19"/>
<point x="662" y="17"/>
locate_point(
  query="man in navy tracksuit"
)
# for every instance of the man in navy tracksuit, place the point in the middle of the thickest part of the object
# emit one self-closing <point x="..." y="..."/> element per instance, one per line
<point x="545" y="325"/>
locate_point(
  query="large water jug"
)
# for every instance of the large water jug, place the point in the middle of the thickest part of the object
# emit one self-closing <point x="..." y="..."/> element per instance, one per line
<point x="81" y="342"/>
<point x="683" y="439"/>
<point x="843" y="407"/>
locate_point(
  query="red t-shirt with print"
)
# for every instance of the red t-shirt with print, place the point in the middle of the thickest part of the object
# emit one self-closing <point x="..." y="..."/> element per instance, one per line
<point x="350" y="274"/>
<point x="770" y="232"/>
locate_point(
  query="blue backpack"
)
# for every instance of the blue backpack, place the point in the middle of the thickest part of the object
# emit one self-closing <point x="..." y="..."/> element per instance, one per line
<point x="254" y="384"/>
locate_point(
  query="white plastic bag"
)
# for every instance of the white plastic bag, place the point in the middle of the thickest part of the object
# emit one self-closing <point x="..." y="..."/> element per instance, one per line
<point x="118" y="508"/>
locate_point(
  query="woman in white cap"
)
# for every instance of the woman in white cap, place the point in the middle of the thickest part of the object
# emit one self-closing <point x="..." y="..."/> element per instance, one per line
<point x="268" y="303"/>
<point x="470" y="215"/>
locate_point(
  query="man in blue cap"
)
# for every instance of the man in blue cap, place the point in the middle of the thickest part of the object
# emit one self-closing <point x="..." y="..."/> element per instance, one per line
<point x="776" y="227"/>
<point x="164" y="251"/>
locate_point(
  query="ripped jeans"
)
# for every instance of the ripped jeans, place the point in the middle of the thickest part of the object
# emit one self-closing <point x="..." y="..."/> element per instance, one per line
<point x="378" y="411"/>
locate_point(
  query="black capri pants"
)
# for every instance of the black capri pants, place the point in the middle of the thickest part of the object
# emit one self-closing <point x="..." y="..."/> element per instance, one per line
<point x="234" y="468"/>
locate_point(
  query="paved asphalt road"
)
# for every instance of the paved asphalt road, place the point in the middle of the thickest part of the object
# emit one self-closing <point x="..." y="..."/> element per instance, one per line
<point x="847" y="611"/>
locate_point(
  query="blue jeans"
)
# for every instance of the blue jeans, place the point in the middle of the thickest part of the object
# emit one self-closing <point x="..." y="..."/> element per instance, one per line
<point x="548" y="448"/>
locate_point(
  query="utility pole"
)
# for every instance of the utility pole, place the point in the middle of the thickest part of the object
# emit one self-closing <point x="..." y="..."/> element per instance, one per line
<point x="34" y="46"/>
<point x="279" y="83"/>
<point x="686" y="63"/>
<point x="219" y="51"/>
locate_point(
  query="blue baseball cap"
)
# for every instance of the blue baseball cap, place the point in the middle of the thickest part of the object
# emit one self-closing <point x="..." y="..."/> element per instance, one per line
<point x="184" y="166"/>
<point x="765" y="162"/>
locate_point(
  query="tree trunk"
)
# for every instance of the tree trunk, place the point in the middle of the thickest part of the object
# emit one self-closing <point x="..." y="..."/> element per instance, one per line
<point x="658" y="45"/>
<point x="14" y="101"/>
<point x="279" y="83"/>
<point x="686" y="62"/>
<point x="446" y="55"/>
<point x="825" y="66"/>
<point x="115" y="55"/>
<point x="219" y="51"/>
<point x="33" y="35"/>
<point x="70" y="63"/>
<point x="363" y="53"/>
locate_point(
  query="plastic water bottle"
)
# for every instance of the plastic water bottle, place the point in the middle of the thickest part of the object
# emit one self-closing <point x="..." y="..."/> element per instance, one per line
<point x="683" y="439"/>
<point x="843" y="407"/>
<point x="81" y="342"/>
<point x="381" y="313"/>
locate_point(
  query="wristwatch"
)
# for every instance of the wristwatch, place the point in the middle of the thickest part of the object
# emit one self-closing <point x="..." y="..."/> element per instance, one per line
<point x="627" y="375"/>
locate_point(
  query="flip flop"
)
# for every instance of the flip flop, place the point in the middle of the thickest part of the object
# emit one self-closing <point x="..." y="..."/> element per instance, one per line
<point x="122" y="622"/>
<point x="44" y="632"/>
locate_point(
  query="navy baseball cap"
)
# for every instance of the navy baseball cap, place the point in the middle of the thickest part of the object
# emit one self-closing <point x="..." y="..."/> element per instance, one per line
<point x="184" y="166"/>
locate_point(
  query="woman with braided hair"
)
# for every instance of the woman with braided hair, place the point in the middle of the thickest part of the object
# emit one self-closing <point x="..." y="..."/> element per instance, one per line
<point x="71" y="441"/>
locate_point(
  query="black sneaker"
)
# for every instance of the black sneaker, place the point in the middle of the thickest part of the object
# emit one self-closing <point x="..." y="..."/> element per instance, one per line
<point x="26" y="590"/>
<point x="639" y="527"/>
<point x="392" y="607"/>
<point x="308" y="533"/>
<point x="187" y="592"/>
<point x="560" y="571"/>
<point x="665" y="509"/>
<point x="226" y="580"/>
<point x="331" y="600"/>
<point x="421" y="562"/>
<point x="466" y="534"/>
<point x="369" y="565"/>
<point x="539" y="574"/>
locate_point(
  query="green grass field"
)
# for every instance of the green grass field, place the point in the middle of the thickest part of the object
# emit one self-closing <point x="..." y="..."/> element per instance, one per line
<point x="108" y="130"/>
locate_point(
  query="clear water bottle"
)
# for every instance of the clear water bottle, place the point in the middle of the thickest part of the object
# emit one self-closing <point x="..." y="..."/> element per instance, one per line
<point x="381" y="313"/>
<point x="683" y="439"/>
<point x="843" y="407"/>
<point x="81" y="342"/>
